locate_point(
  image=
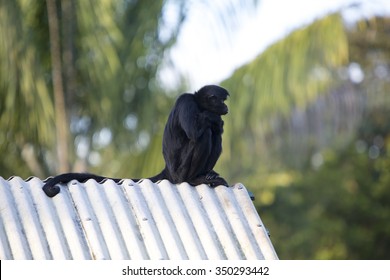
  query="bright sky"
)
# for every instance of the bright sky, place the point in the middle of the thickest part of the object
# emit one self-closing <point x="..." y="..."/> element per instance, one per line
<point x="205" y="56"/>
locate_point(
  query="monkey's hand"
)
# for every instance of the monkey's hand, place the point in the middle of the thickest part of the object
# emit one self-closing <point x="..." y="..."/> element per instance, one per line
<point x="211" y="117"/>
<point x="213" y="121"/>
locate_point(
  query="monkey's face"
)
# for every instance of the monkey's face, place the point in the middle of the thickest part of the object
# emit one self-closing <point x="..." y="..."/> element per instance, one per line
<point x="217" y="105"/>
<point x="212" y="99"/>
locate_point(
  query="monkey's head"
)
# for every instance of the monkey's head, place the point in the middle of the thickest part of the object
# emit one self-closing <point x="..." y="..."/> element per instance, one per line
<point x="212" y="98"/>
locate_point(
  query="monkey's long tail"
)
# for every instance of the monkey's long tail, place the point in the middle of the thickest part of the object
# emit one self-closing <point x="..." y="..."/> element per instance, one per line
<point x="51" y="189"/>
<point x="161" y="176"/>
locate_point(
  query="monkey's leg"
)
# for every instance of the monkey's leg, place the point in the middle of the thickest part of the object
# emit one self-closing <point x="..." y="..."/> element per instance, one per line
<point x="198" y="163"/>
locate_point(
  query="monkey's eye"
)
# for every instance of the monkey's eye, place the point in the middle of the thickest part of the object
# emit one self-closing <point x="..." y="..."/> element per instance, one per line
<point x="213" y="98"/>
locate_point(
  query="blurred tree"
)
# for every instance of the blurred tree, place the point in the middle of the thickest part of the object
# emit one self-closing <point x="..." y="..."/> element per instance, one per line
<point x="62" y="128"/>
<point x="98" y="60"/>
<point x="303" y="94"/>
<point x="339" y="211"/>
<point x="101" y="59"/>
<point x="287" y="77"/>
<point x="26" y="113"/>
<point x="313" y="111"/>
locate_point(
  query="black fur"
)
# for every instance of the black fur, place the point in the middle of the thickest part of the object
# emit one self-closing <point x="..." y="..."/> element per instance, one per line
<point x="192" y="142"/>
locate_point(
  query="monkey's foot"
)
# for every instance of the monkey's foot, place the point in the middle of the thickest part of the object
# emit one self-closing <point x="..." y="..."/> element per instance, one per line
<point x="215" y="182"/>
<point x="212" y="175"/>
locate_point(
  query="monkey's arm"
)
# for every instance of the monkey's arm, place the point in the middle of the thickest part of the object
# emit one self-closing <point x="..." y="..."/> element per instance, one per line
<point x="191" y="119"/>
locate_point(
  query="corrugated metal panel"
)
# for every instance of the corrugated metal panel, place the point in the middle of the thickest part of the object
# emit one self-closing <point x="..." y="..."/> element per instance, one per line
<point x="129" y="221"/>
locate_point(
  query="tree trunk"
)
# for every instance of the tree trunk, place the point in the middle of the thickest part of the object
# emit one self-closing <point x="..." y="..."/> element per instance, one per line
<point x="62" y="127"/>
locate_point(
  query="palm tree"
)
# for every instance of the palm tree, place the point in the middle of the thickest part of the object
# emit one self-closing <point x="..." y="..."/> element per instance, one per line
<point x="78" y="83"/>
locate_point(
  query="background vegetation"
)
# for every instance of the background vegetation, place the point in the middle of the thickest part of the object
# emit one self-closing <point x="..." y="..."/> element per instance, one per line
<point x="308" y="129"/>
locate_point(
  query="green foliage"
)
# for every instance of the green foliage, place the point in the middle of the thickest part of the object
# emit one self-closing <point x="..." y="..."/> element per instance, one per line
<point x="290" y="74"/>
<point x="308" y="133"/>
<point x="339" y="211"/>
<point x="111" y="51"/>
<point x="22" y="86"/>
<point x="120" y="52"/>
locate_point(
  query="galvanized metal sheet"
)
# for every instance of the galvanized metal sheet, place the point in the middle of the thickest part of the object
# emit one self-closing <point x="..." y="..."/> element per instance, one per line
<point x="129" y="221"/>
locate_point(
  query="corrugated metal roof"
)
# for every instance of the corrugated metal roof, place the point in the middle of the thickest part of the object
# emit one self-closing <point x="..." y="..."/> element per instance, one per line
<point x="129" y="221"/>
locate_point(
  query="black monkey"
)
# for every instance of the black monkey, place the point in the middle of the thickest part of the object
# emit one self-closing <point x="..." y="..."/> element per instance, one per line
<point x="192" y="142"/>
